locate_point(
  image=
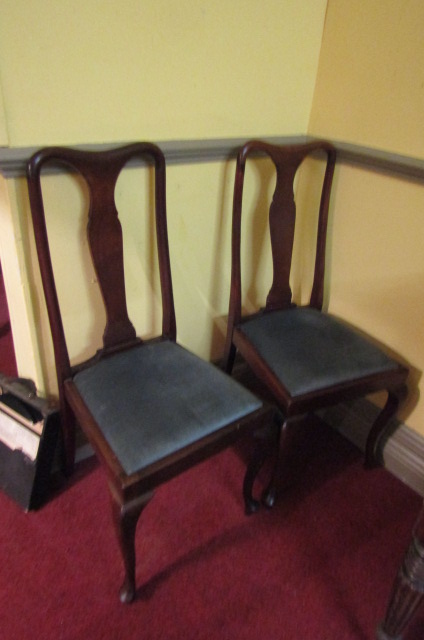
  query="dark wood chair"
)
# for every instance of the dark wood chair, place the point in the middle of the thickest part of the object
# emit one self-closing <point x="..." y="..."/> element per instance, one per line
<point x="408" y="588"/>
<point x="150" y="408"/>
<point x="306" y="358"/>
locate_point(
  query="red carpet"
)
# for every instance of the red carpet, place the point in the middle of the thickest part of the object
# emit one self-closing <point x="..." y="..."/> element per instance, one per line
<point x="317" y="567"/>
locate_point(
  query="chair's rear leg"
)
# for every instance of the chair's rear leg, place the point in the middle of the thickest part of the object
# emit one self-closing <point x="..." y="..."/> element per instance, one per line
<point x="266" y="443"/>
<point x="125" y="518"/>
<point x="68" y="429"/>
<point x="281" y="455"/>
<point x="394" y="397"/>
<point x="228" y="357"/>
<point x="256" y="462"/>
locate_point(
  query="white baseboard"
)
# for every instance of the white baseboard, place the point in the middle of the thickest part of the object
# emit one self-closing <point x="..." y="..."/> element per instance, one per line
<point x="403" y="449"/>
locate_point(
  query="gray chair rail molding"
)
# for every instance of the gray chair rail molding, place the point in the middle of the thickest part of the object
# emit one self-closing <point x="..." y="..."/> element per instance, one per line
<point x="13" y="160"/>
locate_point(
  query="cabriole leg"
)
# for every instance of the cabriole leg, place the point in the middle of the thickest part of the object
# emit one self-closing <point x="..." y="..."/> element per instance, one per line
<point x="281" y="455"/>
<point x="376" y="432"/>
<point x="266" y="443"/>
<point x="125" y="518"/>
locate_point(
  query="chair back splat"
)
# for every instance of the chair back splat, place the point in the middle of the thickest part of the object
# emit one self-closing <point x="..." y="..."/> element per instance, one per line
<point x="282" y="219"/>
<point x="306" y="359"/>
<point x="150" y="408"/>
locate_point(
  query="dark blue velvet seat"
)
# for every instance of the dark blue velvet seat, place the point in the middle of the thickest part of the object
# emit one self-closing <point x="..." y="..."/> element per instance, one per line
<point x="310" y="351"/>
<point x="157" y="399"/>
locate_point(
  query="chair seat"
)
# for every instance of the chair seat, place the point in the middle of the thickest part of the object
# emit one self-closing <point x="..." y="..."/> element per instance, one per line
<point x="152" y="401"/>
<point x="309" y="351"/>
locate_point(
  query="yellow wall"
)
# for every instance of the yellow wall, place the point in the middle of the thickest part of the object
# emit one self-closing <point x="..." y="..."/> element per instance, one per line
<point x="80" y="71"/>
<point x="91" y="71"/>
<point x="370" y="91"/>
<point x="370" y="82"/>
<point x="3" y="129"/>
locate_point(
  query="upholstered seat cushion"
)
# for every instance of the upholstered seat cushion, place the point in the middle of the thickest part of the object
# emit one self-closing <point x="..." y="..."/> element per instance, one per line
<point x="309" y="350"/>
<point x="158" y="398"/>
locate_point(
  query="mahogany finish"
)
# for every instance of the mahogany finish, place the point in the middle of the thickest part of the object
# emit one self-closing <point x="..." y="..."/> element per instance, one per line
<point x="408" y="589"/>
<point x="131" y="490"/>
<point x="282" y="220"/>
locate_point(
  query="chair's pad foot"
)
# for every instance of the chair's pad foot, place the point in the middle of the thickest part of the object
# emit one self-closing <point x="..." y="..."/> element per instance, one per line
<point x="127" y="593"/>
<point x="268" y="497"/>
<point x="382" y="635"/>
<point x="251" y="506"/>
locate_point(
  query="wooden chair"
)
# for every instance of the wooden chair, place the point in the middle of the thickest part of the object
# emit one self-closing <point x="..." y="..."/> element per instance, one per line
<point x="150" y="408"/>
<point x="306" y="358"/>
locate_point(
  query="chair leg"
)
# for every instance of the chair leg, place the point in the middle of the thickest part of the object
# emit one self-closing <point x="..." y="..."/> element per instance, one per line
<point x="394" y="398"/>
<point x="68" y="429"/>
<point x="281" y="455"/>
<point x="266" y="443"/>
<point x="228" y="357"/>
<point x="125" y="518"/>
